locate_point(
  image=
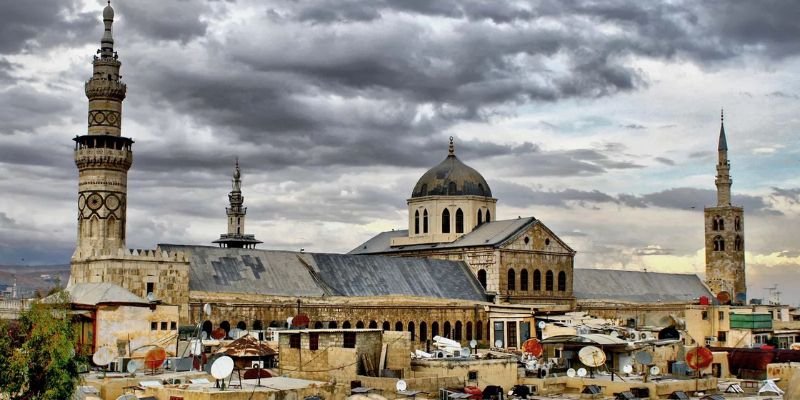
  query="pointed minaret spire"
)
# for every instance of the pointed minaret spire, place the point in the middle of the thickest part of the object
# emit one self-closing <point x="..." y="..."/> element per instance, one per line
<point x="452" y="149"/>
<point x="723" y="180"/>
<point x="236" y="216"/>
<point x="107" y="42"/>
<point x="723" y="142"/>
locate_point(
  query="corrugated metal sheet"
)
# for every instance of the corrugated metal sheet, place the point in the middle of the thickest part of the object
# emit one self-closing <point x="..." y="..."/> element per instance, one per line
<point x="489" y="234"/>
<point x="636" y="286"/>
<point x="98" y="293"/>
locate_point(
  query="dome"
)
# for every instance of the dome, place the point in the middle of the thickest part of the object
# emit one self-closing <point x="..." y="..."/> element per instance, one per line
<point x="451" y="178"/>
<point x="108" y="12"/>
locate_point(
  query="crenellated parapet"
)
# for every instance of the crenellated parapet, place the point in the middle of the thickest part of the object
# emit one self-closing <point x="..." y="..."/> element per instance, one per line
<point x="131" y="255"/>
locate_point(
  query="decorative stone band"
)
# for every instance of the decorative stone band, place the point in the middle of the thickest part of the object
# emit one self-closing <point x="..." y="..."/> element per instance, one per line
<point x="101" y="88"/>
<point x="120" y="160"/>
<point x="101" y="204"/>
<point x="106" y="62"/>
<point x="104" y="118"/>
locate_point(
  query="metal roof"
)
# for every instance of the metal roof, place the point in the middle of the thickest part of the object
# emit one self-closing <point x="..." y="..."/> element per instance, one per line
<point x="284" y="273"/>
<point x="637" y="286"/>
<point x="492" y="233"/>
<point x="92" y="294"/>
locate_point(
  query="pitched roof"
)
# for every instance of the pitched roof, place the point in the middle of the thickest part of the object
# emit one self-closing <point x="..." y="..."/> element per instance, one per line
<point x="284" y="273"/>
<point x="637" y="286"/>
<point x="92" y="294"/>
<point x="492" y="233"/>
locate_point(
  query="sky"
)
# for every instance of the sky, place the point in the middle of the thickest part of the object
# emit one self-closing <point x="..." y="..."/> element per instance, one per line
<point x="600" y="119"/>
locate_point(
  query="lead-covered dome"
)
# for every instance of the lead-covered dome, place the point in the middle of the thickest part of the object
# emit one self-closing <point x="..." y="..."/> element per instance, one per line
<point x="451" y="178"/>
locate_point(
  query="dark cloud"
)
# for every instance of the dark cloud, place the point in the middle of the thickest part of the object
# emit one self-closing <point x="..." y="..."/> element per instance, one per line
<point x="783" y="95"/>
<point x="26" y="25"/>
<point x="159" y="20"/>
<point x="665" y="161"/>
<point x="790" y="195"/>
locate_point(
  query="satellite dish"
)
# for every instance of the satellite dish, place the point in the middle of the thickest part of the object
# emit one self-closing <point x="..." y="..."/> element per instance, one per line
<point x="654" y="370"/>
<point x="581" y="372"/>
<point x="207" y="309"/>
<point x="592" y="356"/>
<point x="301" y="320"/>
<point x="204" y="335"/>
<point x="151" y="297"/>
<point x="218" y="333"/>
<point x="614" y="334"/>
<point x="234" y="333"/>
<point x="644" y="357"/>
<point x="473" y="344"/>
<point x="155" y="358"/>
<point x="530" y="365"/>
<point x="627" y="368"/>
<point x="103" y="356"/>
<point x="724" y="297"/>
<point x="289" y="321"/>
<point x="195" y="347"/>
<point x="222" y="367"/>
<point x="464" y="352"/>
<point x="699" y="358"/>
<point x="498" y="343"/>
<point x="401" y="386"/>
<point x="571" y="372"/>
<point x="533" y="347"/>
<point x="541" y="324"/>
<point x="128" y="397"/>
<point x="133" y="366"/>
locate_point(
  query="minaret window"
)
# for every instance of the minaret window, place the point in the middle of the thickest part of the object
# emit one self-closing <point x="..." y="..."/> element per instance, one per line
<point x="425" y="221"/>
<point x="482" y="277"/>
<point x="446" y="221"/>
<point x="548" y="281"/>
<point x="719" y="243"/>
<point x="718" y="224"/>
<point x="562" y="281"/>
<point x="537" y="280"/>
<point x="737" y="243"/>
<point x="459" y="221"/>
<point x="523" y="280"/>
<point x="512" y="280"/>
<point x="416" y="222"/>
<point x="488" y="216"/>
<point x="480" y="218"/>
<point x="737" y="224"/>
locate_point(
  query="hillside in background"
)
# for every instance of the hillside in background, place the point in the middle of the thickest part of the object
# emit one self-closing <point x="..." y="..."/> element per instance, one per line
<point x="32" y="278"/>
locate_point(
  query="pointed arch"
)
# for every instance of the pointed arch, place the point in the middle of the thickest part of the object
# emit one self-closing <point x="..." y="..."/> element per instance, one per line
<point x="457" y="331"/>
<point x="459" y="221"/>
<point x="425" y="221"/>
<point x="512" y="280"/>
<point x="411" y="329"/>
<point x="318" y="325"/>
<point x="719" y="243"/>
<point x="480" y="218"/>
<point x="416" y="222"/>
<point x="446" y="221"/>
<point x="111" y="227"/>
<point x="332" y="325"/>
<point x="423" y="331"/>
<point x="537" y="280"/>
<point x="482" y="277"/>
<point x="469" y="330"/>
<point x="548" y="281"/>
<point x="488" y="216"/>
<point x="523" y="280"/>
<point x="562" y="281"/>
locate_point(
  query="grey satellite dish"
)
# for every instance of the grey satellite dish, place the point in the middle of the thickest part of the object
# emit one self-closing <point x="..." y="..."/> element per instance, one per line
<point x="571" y="372"/>
<point x="401" y="386"/>
<point x="204" y="335"/>
<point x="464" y="352"/>
<point x="541" y="324"/>
<point x="627" y="369"/>
<point x="222" y="367"/>
<point x="207" y="309"/>
<point x="581" y="372"/>
<point x="133" y="366"/>
<point x="654" y="370"/>
<point x="151" y="297"/>
<point x="103" y="356"/>
<point x="614" y="334"/>
<point x="473" y="343"/>
<point x="128" y="397"/>
<point x="498" y="343"/>
<point x="644" y="357"/>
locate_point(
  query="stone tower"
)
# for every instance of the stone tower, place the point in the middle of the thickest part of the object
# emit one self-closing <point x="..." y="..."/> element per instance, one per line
<point x="724" y="239"/>
<point x="236" y="217"/>
<point x="103" y="156"/>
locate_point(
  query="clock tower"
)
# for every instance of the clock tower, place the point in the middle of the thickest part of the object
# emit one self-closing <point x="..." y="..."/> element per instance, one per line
<point x="103" y="156"/>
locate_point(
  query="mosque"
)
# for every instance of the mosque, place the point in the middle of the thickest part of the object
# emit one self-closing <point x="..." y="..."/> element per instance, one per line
<point x="456" y="271"/>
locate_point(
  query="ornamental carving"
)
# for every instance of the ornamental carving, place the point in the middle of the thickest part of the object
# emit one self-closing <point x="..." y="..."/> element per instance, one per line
<point x="101" y="204"/>
<point x="104" y="118"/>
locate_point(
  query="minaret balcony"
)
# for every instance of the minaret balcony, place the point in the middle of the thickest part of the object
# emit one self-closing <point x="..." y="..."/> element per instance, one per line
<point x="102" y="88"/>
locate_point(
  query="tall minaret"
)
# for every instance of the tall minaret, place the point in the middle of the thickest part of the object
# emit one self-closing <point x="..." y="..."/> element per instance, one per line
<point x="103" y="156"/>
<point x="724" y="231"/>
<point x="236" y="217"/>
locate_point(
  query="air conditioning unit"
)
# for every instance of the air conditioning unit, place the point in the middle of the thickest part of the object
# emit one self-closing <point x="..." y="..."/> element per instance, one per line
<point x="710" y="339"/>
<point x="257" y="364"/>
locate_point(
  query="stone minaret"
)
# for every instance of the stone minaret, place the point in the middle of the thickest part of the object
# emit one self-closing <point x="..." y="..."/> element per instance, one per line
<point x="236" y="217"/>
<point x="724" y="235"/>
<point x="103" y="156"/>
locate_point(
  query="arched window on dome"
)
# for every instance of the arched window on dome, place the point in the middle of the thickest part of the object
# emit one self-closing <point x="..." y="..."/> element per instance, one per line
<point x="480" y="218"/>
<point x="512" y="280"/>
<point x="562" y="281"/>
<point x="719" y="243"/>
<point x="416" y="222"/>
<point x="425" y="221"/>
<point x="459" y="221"/>
<point x="451" y="188"/>
<point x="446" y="221"/>
<point x="548" y="281"/>
<point x="482" y="277"/>
<point x="488" y="216"/>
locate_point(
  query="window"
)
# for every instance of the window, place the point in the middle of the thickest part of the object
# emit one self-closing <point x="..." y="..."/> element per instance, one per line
<point x="482" y="277"/>
<point x="537" y="280"/>
<point x="721" y="316"/>
<point x="423" y="331"/>
<point x="469" y="330"/>
<point x="737" y="224"/>
<point x="386" y="326"/>
<point x="317" y="325"/>
<point x="424" y="189"/>
<point x="411" y="329"/>
<point x="373" y="324"/>
<point x="164" y="325"/>
<point x="722" y="336"/>
<point x="416" y="222"/>
<point x="562" y="281"/>
<point x="548" y="281"/>
<point x="458" y="331"/>
<point x="294" y="341"/>
<point x="472" y="375"/>
<point x="154" y="326"/>
<point x="488" y="216"/>
<point x="719" y="243"/>
<point x="350" y="340"/>
<point x="512" y="280"/>
<point x="151" y="287"/>
<point x="446" y="221"/>
<point x="523" y="280"/>
<point x="451" y="188"/>
<point x="258" y="325"/>
<point x="526" y="240"/>
<point x="447" y="332"/>
<point x="480" y="218"/>
<point x="737" y="243"/>
<point x="332" y="325"/>
<point x="313" y="341"/>
<point x="346" y="325"/>
<point x="241" y="325"/>
<point x="173" y="326"/>
<point x="479" y="330"/>
<point x="434" y="329"/>
<point x="424" y="221"/>
<point x="704" y="315"/>
<point x="718" y="224"/>
<point x="360" y="325"/>
<point x="459" y="221"/>
<point x="511" y="329"/>
<point x="398" y="326"/>
<point x="499" y="333"/>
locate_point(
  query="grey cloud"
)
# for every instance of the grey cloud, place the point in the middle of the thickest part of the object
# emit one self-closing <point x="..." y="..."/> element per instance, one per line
<point x="164" y="20"/>
<point x="25" y="25"/>
<point x="6" y="222"/>
<point x="687" y="198"/>
<point x="634" y="126"/>
<point x="665" y="161"/>
<point x="783" y="95"/>
<point x="790" y="195"/>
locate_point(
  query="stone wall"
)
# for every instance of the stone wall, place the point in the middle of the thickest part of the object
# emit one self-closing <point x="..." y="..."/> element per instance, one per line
<point x="501" y="372"/>
<point x="725" y="269"/>
<point x="331" y="359"/>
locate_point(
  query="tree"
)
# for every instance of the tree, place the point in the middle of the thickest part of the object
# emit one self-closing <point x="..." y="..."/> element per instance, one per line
<point x="37" y="352"/>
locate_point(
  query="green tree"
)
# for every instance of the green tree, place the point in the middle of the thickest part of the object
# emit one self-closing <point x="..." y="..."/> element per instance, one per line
<point x="37" y="352"/>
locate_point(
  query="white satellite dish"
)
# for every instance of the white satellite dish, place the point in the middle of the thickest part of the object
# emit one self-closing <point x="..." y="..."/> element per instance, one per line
<point x="614" y="334"/>
<point x="133" y="366"/>
<point x="592" y="356"/>
<point x="465" y="352"/>
<point x="541" y="324"/>
<point x="571" y="372"/>
<point x="473" y="343"/>
<point x="627" y="368"/>
<point x="103" y="356"/>
<point x="127" y="397"/>
<point x="196" y="347"/>
<point x="151" y="297"/>
<point x="401" y="386"/>
<point x="530" y="365"/>
<point x="222" y="367"/>
<point x="289" y="321"/>
<point x="204" y="335"/>
<point x="498" y="343"/>
<point x="654" y="370"/>
<point x="581" y="372"/>
<point x="207" y="309"/>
